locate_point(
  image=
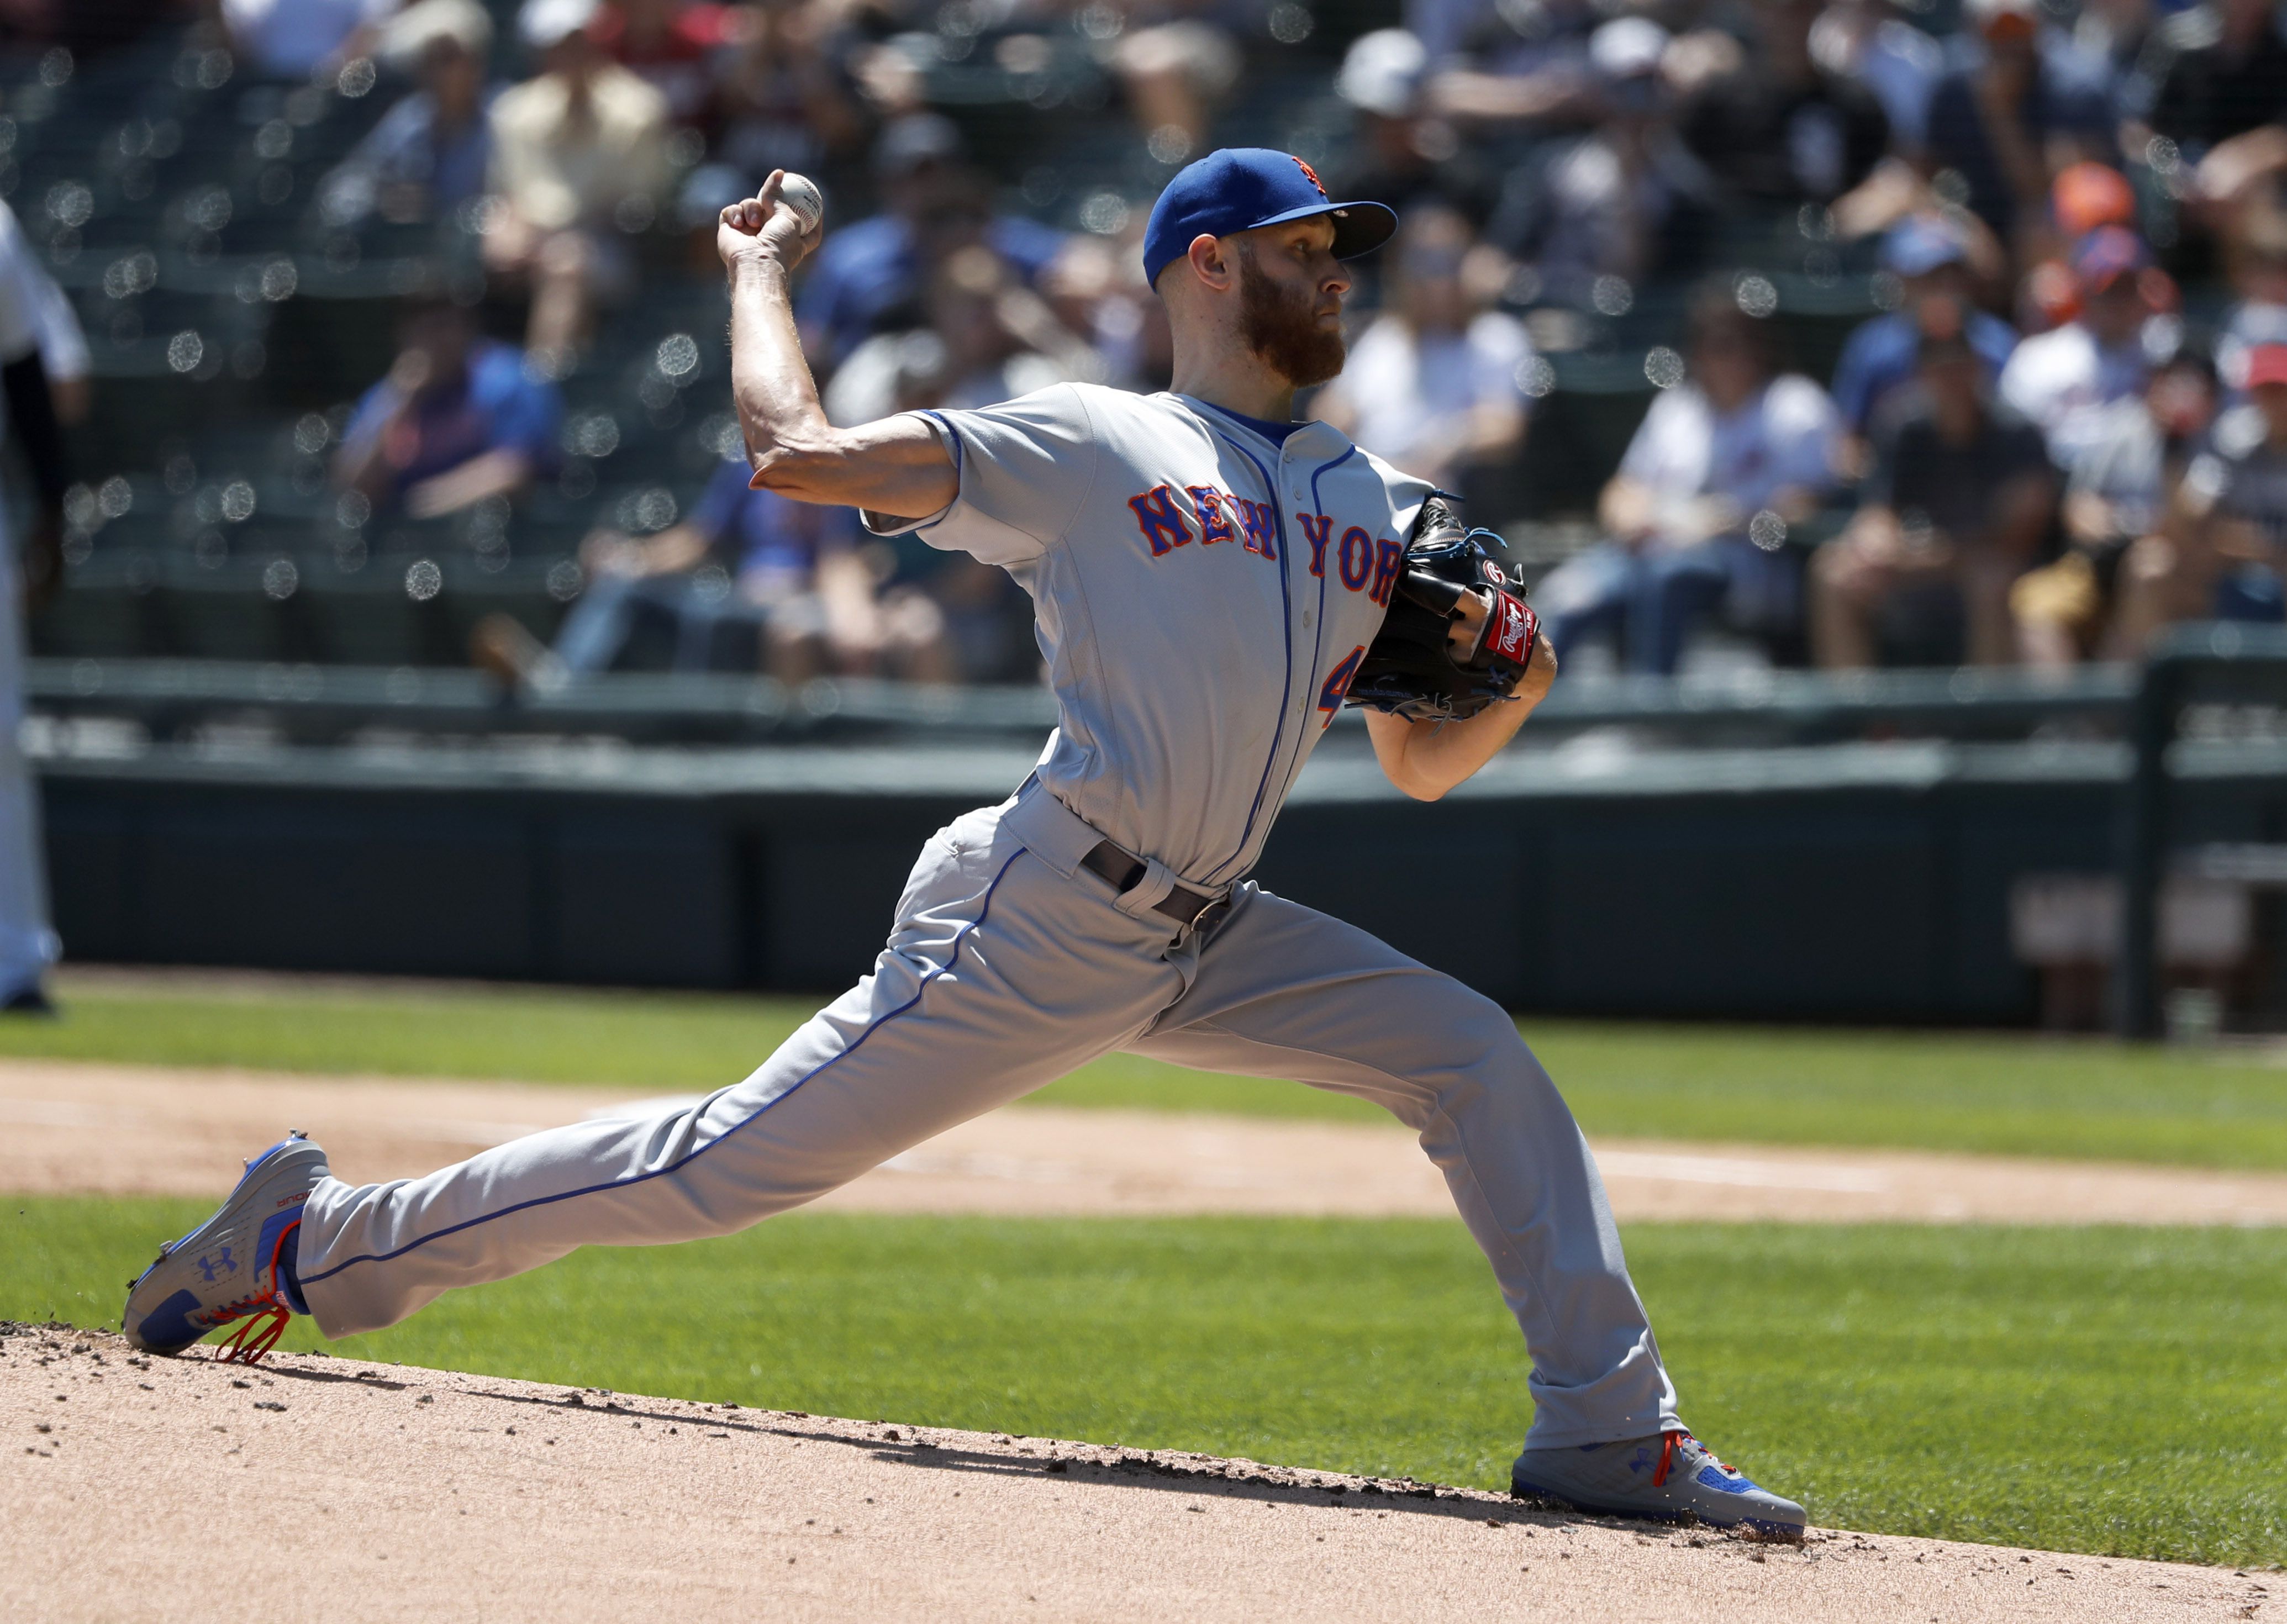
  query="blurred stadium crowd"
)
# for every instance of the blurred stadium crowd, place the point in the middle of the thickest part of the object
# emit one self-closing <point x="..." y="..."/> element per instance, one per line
<point x="1841" y="332"/>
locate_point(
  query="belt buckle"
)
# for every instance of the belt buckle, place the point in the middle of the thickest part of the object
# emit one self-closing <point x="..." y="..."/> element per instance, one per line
<point x="1208" y="917"/>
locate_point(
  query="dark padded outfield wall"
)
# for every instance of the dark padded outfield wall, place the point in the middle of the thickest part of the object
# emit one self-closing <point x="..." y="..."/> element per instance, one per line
<point x="1672" y="884"/>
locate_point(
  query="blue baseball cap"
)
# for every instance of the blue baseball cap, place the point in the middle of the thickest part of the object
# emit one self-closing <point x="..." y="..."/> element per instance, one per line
<point x="2106" y="255"/>
<point x="1917" y="246"/>
<point x="1241" y="187"/>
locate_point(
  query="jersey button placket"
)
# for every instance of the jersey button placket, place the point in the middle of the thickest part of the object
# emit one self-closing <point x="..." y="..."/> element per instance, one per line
<point x="1291" y="466"/>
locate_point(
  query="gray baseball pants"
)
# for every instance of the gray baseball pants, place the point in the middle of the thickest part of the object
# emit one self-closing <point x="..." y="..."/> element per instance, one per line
<point x="1009" y="966"/>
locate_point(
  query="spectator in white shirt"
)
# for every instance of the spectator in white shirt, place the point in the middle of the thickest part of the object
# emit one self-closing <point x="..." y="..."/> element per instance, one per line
<point x="579" y="156"/>
<point x="1434" y="385"/>
<point x="1697" y="515"/>
<point x="2062" y="380"/>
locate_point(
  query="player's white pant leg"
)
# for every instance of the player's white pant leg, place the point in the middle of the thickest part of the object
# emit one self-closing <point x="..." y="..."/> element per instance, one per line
<point x="1001" y="975"/>
<point x="1284" y="991"/>
<point x="28" y="943"/>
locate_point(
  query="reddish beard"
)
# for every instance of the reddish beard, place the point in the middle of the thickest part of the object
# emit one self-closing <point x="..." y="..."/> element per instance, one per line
<point x="1278" y="322"/>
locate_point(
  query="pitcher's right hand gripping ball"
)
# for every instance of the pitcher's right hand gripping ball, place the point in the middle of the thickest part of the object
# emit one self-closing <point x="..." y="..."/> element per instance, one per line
<point x="760" y="226"/>
<point x="1413" y="668"/>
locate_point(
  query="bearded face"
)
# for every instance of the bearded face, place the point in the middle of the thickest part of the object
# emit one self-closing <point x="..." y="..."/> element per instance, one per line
<point x="1279" y="322"/>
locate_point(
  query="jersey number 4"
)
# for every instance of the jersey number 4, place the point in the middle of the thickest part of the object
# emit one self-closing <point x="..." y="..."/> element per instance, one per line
<point x="1337" y="684"/>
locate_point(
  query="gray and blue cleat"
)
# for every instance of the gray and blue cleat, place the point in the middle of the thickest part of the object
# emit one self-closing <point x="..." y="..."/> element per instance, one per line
<point x="228" y="1268"/>
<point x="1671" y="1477"/>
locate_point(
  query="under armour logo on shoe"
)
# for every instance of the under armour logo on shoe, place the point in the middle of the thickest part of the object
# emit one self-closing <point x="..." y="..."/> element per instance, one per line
<point x="221" y="1263"/>
<point x="1641" y="1461"/>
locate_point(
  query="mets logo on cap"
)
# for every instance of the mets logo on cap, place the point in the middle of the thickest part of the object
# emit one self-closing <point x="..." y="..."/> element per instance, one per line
<point x="1310" y="175"/>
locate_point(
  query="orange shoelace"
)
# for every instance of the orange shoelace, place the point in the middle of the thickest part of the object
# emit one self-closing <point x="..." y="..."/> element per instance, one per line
<point x="269" y="1315"/>
<point x="258" y="1335"/>
<point x="1667" y="1447"/>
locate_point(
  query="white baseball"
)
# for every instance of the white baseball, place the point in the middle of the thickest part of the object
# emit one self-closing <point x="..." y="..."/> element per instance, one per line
<point x="800" y="193"/>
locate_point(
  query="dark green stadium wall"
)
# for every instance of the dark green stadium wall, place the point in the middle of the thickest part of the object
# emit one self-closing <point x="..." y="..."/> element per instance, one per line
<point x="1824" y="901"/>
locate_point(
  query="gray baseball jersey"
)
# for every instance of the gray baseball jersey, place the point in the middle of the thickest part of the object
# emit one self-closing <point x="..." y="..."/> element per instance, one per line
<point x="1203" y="595"/>
<point x="1205" y="592"/>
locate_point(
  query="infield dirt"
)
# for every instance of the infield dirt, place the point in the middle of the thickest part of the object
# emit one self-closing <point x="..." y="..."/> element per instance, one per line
<point x="76" y="1128"/>
<point x="311" y="1488"/>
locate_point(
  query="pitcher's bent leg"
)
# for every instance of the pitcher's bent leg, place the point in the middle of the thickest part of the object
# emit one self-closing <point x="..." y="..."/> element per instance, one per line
<point x="983" y="996"/>
<point x="1282" y="990"/>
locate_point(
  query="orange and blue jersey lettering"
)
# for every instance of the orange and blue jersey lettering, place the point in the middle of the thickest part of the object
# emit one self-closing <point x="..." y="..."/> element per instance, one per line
<point x="1338" y="685"/>
<point x="1259" y="522"/>
<point x="1388" y="560"/>
<point x="1357" y="557"/>
<point x="1318" y="529"/>
<point x="1214" y="523"/>
<point x="1162" y="521"/>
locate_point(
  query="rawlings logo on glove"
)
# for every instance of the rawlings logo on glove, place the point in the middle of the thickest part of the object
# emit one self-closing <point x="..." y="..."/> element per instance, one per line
<point x="1509" y="630"/>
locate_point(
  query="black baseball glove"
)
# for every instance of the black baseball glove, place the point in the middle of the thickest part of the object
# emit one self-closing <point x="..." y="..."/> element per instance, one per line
<point x="1410" y="669"/>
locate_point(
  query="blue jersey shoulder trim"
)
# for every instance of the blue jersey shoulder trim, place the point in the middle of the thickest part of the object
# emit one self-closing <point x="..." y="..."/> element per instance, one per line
<point x="951" y="434"/>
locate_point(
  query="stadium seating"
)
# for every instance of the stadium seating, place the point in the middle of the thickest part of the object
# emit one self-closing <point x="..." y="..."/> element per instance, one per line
<point x="232" y="326"/>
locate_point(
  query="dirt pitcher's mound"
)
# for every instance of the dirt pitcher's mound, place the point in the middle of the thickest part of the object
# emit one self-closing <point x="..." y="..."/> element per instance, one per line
<point x="313" y="1487"/>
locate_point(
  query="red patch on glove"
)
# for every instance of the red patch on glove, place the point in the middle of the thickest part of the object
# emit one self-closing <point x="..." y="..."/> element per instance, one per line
<point x="1512" y="629"/>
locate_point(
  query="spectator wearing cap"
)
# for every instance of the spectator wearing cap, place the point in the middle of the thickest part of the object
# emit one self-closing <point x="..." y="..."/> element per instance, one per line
<point x="1782" y="131"/>
<point x="1434" y="384"/>
<point x="2062" y="380"/>
<point x="869" y="273"/>
<point x="1957" y="507"/>
<point x="1696" y="516"/>
<point x="1621" y="200"/>
<point x="2224" y="556"/>
<point x="2086" y="197"/>
<point x="458" y="418"/>
<point x="579" y="156"/>
<point x="1880" y="361"/>
<point x="432" y="151"/>
<point x="2011" y="116"/>
<point x="1399" y="151"/>
<point x="2123" y="522"/>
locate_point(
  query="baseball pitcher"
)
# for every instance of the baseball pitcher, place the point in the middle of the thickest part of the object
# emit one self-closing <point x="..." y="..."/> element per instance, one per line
<point x="1214" y="581"/>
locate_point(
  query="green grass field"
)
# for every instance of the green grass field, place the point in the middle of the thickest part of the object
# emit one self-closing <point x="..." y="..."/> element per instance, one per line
<point x="2106" y="1391"/>
<point x="2000" y="1093"/>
